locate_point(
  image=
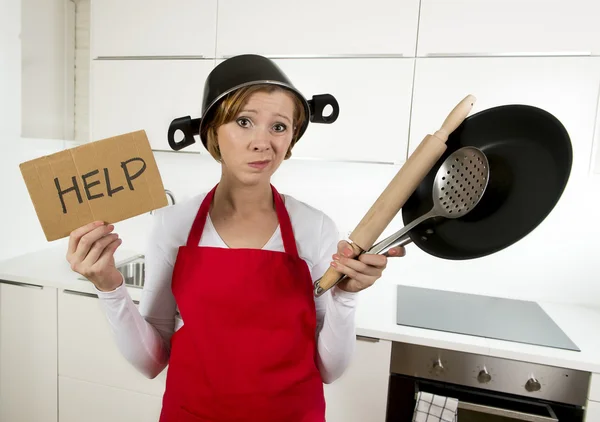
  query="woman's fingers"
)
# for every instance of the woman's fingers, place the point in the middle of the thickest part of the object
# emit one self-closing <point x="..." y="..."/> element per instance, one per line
<point x="98" y="248"/>
<point x="86" y="242"/>
<point x="107" y="255"/>
<point x="397" y="251"/>
<point x="76" y="235"/>
<point x="357" y="268"/>
<point x="364" y="270"/>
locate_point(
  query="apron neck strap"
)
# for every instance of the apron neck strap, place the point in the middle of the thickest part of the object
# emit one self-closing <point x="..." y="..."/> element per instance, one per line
<point x="285" y="224"/>
<point x="198" y="225"/>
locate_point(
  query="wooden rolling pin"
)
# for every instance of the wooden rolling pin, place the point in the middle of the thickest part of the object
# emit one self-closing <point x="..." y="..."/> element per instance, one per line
<point x="397" y="192"/>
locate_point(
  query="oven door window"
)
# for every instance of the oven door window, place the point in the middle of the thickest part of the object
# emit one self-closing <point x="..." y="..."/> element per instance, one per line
<point x="476" y="405"/>
<point x="470" y="412"/>
<point x="479" y="405"/>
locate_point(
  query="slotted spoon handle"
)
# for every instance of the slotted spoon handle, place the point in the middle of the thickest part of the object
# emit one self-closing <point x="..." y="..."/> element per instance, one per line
<point x="393" y="240"/>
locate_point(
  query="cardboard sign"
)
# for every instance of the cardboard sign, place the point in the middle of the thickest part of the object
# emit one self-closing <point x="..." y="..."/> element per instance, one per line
<point x="110" y="180"/>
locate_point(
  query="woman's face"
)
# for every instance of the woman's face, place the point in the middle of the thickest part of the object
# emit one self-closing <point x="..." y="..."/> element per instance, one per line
<point x="255" y="142"/>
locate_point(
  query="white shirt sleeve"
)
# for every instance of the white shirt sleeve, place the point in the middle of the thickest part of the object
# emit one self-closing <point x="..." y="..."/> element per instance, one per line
<point x="336" y="327"/>
<point x="143" y="336"/>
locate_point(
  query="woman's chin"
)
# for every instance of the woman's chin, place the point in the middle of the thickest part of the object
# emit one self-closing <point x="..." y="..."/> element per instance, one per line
<point x="255" y="178"/>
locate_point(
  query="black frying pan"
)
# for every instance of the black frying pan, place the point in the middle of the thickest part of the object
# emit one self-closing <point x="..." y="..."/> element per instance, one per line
<point x="530" y="157"/>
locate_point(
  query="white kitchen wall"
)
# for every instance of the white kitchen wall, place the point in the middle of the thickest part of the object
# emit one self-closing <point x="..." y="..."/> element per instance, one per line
<point x="557" y="262"/>
<point x="47" y="49"/>
<point x="82" y="70"/>
<point x="19" y="228"/>
<point x="10" y="70"/>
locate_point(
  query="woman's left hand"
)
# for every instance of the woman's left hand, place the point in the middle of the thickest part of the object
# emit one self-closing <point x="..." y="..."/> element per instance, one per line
<point x="362" y="271"/>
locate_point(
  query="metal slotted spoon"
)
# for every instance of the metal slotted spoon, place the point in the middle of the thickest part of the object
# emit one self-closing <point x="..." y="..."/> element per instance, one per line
<point x="458" y="187"/>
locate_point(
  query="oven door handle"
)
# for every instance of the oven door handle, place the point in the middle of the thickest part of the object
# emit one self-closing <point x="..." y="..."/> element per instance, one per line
<point x="520" y="416"/>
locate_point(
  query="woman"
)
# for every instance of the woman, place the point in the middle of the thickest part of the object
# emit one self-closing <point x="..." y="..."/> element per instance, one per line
<point x="228" y="299"/>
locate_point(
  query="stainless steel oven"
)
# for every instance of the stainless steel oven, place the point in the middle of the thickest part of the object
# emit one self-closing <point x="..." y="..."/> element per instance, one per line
<point x="488" y="389"/>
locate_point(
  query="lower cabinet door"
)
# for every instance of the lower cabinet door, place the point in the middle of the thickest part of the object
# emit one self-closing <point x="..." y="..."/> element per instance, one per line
<point x="81" y="401"/>
<point x="592" y="411"/>
<point x="360" y="394"/>
<point x="88" y="351"/>
<point x="28" y="367"/>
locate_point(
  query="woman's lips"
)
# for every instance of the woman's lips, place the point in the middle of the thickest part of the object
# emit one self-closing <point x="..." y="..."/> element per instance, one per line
<point x="259" y="164"/>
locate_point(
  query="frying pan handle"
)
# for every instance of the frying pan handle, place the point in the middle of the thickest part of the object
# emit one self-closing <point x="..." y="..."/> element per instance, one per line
<point x="398" y="238"/>
<point x="455" y="118"/>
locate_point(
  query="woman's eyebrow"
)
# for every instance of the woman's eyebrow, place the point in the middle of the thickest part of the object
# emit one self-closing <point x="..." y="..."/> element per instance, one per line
<point x="284" y="117"/>
<point x="251" y="110"/>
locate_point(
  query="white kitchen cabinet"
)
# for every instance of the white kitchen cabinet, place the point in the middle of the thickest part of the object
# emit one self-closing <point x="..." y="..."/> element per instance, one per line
<point x="596" y="150"/>
<point x="153" y="28"/>
<point x="594" y="389"/>
<point x="374" y="99"/>
<point x="360" y="394"/>
<point x="317" y="28"/>
<point x="130" y="95"/>
<point x="84" y="401"/>
<point x="28" y="368"/>
<point x="567" y="87"/>
<point x="87" y="349"/>
<point x="504" y="27"/>
<point x="592" y="411"/>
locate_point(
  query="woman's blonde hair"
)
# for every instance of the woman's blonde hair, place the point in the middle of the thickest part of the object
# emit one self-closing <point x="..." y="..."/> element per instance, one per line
<point x="230" y="106"/>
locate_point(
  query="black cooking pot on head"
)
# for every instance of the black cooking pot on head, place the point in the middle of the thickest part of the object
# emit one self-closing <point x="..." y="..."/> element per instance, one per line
<point x="238" y="72"/>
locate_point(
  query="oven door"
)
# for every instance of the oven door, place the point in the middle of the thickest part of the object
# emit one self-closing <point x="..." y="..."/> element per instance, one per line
<point x="475" y="405"/>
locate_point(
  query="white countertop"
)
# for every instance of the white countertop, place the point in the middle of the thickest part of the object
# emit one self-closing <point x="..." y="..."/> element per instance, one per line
<point x="375" y="315"/>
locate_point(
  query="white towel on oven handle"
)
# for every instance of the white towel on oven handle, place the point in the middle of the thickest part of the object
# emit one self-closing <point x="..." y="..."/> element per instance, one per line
<point x="433" y="408"/>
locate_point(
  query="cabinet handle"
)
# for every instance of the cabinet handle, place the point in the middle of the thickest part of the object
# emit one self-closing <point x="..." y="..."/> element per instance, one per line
<point x="21" y="284"/>
<point x="365" y="338"/>
<point x="149" y="57"/>
<point x="326" y="56"/>
<point x="513" y="54"/>
<point x="77" y="293"/>
<point x="92" y="295"/>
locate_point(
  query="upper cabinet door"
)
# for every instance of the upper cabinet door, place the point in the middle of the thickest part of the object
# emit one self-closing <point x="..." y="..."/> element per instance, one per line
<point x="130" y="95"/>
<point x="596" y="156"/>
<point x="374" y="99"/>
<point x="153" y="28"/>
<point x="504" y="27"/>
<point x="566" y="87"/>
<point x="317" y="28"/>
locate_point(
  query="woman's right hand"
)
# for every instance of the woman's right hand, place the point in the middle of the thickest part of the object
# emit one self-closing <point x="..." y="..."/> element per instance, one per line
<point x="91" y="254"/>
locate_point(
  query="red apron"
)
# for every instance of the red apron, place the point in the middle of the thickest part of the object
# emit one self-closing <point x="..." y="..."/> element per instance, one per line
<point x="247" y="349"/>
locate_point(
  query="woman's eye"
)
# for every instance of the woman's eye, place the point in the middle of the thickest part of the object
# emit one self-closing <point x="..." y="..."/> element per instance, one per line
<point x="280" y="127"/>
<point x="243" y="122"/>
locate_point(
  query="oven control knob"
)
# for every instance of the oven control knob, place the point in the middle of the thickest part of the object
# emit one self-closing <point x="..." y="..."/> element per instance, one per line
<point x="532" y="385"/>
<point x="484" y="376"/>
<point x="438" y="368"/>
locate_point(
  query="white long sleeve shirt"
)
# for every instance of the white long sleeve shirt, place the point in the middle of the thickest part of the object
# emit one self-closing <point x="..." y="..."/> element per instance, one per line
<point x="143" y="335"/>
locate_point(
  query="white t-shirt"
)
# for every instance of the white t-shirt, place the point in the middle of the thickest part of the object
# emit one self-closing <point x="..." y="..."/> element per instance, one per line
<point x="143" y="336"/>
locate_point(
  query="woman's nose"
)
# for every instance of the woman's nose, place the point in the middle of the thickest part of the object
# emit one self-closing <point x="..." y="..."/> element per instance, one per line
<point x="261" y="141"/>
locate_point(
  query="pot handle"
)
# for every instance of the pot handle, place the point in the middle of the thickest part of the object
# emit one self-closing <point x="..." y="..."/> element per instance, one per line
<point x="318" y="103"/>
<point x="190" y="127"/>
